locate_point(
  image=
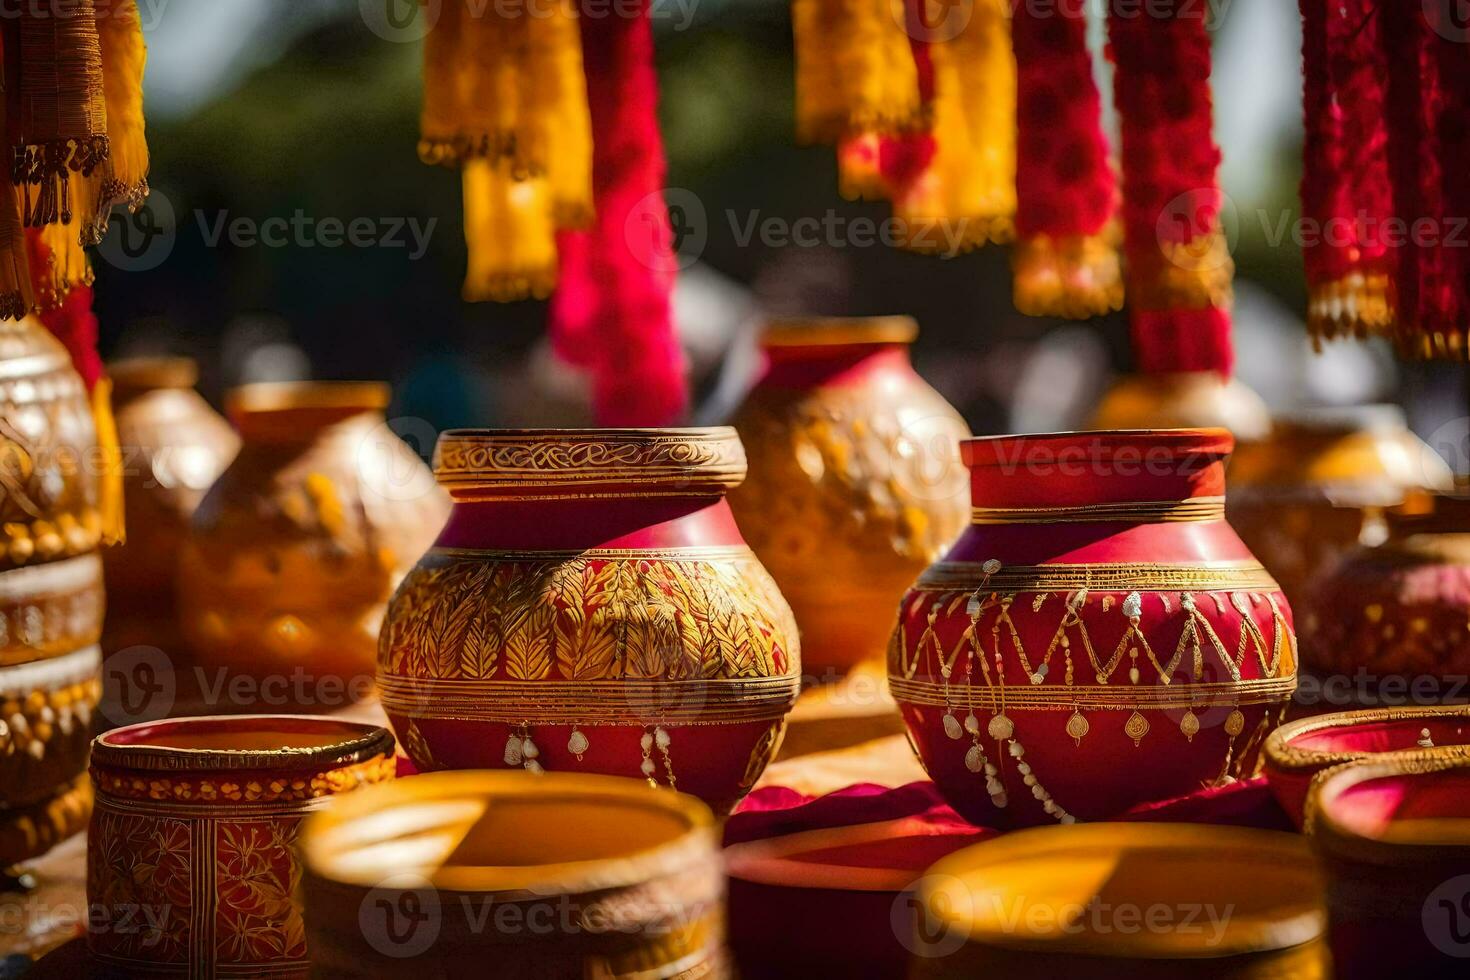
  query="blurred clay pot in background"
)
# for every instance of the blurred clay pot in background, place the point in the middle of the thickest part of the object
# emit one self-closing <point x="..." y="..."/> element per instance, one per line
<point x="855" y="483"/>
<point x="591" y="607"/>
<point x="295" y="550"/>
<point x="1319" y="484"/>
<point x="1184" y="400"/>
<point x="1398" y="610"/>
<point x="1099" y="637"/>
<point x="174" y="447"/>
<point x="51" y="601"/>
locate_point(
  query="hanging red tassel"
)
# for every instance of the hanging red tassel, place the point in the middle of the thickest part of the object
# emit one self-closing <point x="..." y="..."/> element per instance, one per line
<point x="1179" y="266"/>
<point x="1066" y="259"/>
<point x="1346" y="198"/>
<point x="1451" y="58"/>
<point x="612" y="311"/>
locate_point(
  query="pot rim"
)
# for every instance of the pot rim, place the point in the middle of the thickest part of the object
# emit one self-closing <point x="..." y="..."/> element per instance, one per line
<point x="687" y="460"/>
<point x="839" y="331"/>
<point x="1336" y="838"/>
<point x="330" y="837"/>
<point x="1264" y="931"/>
<point x="360" y="741"/>
<point x="1281" y="754"/>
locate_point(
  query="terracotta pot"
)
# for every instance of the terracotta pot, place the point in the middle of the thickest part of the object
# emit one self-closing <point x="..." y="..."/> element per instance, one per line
<point x="51" y="602"/>
<point x="1098" y="637"/>
<point x="854" y="483"/>
<point x="1190" y="399"/>
<point x="295" y="550"/>
<point x="1135" y="901"/>
<point x="1392" y="838"/>
<point x="591" y="607"/>
<point x="1319" y="484"/>
<point x="174" y="447"/>
<point x="190" y="861"/>
<point x="1298" y="751"/>
<point x="558" y="878"/>
<point x="1398" y="610"/>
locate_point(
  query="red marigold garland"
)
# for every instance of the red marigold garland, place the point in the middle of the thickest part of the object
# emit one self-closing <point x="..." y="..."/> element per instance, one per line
<point x="611" y="312"/>
<point x="1179" y="266"/>
<point x="1066" y="260"/>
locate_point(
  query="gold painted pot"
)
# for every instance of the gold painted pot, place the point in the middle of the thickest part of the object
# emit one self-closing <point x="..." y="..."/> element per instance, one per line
<point x="1396" y="614"/>
<point x="1138" y="901"/>
<point x="1393" y="836"/>
<point x="1186" y="400"/>
<point x="558" y="877"/>
<point x="855" y="484"/>
<point x="51" y="601"/>
<point x="191" y="867"/>
<point x="174" y="447"/>
<point x="295" y="550"/>
<point x="1318" y="486"/>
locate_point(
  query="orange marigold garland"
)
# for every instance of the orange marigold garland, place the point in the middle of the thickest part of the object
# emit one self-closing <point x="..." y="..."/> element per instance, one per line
<point x="855" y="73"/>
<point x="505" y="99"/>
<point x="1066" y="258"/>
<point x="1179" y="268"/>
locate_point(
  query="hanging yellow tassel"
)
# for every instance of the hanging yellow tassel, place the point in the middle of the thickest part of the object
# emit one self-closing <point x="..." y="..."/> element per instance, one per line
<point x="110" y="477"/>
<point x="69" y="266"/>
<point x="855" y="69"/>
<point x="124" y="57"/>
<point x="557" y="112"/>
<point x="509" y="232"/>
<point x="967" y="196"/>
<point x="16" y="295"/>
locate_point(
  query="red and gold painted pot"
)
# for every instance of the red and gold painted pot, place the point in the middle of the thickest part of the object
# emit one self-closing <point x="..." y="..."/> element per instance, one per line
<point x="1398" y="610"/>
<point x="591" y="607"/>
<point x="1298" y="751"/>
<point x="458" y="875"/>
<point x="190" y="854"/>
<point x="1393" y="838"/>
<point x="174" y="447"/>
<point x="1099" y="636"/>
<point x="854" y="484"/>
<point x="294" y="552"/>
<point x="1126" y="901"/>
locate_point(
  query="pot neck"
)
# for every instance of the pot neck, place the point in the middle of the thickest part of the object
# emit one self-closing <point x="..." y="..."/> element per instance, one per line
<point x="580" y="524"/>
<point x="812" y="365"/>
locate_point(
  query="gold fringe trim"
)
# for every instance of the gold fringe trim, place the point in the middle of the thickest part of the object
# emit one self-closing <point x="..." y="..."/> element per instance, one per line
<point x="110" y="476"/>
<point x="510" y="234"/>
<point x="1356" y="305"/>
<point x="1192" y="275"/>
<point x="1075" y="277"/>
<point x="1193" y="510"/>
<point x="855" y="70"/>
<point x="124" y="58"/>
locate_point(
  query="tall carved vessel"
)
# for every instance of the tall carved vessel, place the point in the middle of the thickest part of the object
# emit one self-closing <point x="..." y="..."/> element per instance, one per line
<point x="51" y="601"/>
<point x="1098" y="637"/>
<point x="854" y="483"/>
<point x="591" y="607"/>
<point x="174" y="447"/>
<point x="296" y="549"/>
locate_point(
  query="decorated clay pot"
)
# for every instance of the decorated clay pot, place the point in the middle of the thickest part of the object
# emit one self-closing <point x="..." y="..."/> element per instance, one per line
<point x="854" y="484"/>
<point x="295" y="550"/>
<point x="1391" y="834"/>
<point x="1098" y="637"/>
<point x="51" y="601"/>
<point x="190" y="860"/>
<point x="1186" y="399"/>
<point x="1138" y="901"/>
<point x="1319" y="484"/>
<point x="451" y="875"/>
<point x="1298" y="751"/>
<point x="174" y="447"/>
<point x="1397" y="610"/>
<point x="591" y="607"/>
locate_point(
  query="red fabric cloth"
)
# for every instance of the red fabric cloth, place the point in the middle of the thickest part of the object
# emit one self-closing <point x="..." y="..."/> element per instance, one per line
<point x="611" y="313"/>
<point x="72" y="321"/>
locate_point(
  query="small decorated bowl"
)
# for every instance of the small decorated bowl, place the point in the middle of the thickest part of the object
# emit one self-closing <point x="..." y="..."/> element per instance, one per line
<point x="1393" y="835"/>
<point x="559" y="876"/>
<point x="1139" y="900"/>
<point x="1295" y="753"/>
<point x="190" y="862"/>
